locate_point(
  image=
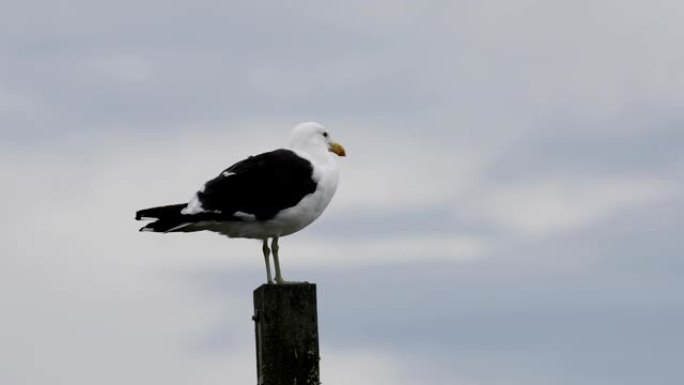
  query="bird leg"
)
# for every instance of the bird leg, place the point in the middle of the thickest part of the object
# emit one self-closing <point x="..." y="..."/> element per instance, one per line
<point x="276" y="261"/>
<point x="267" y="252"/>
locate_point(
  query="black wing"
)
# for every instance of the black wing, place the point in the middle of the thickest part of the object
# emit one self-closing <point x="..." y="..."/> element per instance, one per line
<point x="260" y="185"/>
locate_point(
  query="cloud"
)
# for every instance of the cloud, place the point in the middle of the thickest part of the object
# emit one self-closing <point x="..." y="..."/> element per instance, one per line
<point x="331" y="253"/>
<point x="13" y="103"/>
<point x="535" y="144"/>
<point x="126" y="67"/>
<point x="115" y="174"/>
<point x="554" y="206"/>
<point x="97" y="191"/>
<point x="370" y="366"/>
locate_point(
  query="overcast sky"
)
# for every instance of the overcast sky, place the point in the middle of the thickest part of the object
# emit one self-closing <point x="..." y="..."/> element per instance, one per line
<point x="510" y="210"/>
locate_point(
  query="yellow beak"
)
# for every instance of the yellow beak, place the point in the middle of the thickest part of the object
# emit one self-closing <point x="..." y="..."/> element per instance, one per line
<point x="337" y="149"/>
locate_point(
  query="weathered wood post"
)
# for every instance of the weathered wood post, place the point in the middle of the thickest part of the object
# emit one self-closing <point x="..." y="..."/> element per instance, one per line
<point x="286" y="328"/>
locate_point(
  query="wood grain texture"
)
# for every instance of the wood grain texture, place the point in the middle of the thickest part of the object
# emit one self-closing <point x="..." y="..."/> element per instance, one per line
<point x="286" y="327"/>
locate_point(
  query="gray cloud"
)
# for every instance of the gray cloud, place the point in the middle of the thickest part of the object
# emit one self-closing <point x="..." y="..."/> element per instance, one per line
<point x="510" y="197"/>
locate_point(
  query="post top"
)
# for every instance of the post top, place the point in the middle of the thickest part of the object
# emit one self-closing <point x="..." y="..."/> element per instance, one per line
<point x="287" y="286"/>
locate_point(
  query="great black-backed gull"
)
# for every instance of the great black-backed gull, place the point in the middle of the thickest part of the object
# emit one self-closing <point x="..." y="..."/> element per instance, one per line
<point x="269" y="195"/>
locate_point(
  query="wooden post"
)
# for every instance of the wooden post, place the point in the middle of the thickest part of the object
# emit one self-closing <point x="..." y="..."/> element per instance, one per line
<point x="286" y="328"/>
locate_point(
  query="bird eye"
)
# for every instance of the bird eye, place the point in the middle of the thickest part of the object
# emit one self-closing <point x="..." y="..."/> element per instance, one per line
<point x="325" y="134"/>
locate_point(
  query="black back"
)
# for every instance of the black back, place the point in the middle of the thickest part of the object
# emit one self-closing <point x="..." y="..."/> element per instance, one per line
<point x="260" y="185"/>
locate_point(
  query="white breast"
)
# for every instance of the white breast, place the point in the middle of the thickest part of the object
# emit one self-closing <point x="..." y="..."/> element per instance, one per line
<point x="310" y="207"/>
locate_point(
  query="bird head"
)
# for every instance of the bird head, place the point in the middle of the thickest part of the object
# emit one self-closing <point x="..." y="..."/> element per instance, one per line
<point x="313" y="138"/>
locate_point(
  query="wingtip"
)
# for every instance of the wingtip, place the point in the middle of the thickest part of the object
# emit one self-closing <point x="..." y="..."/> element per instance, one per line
<point x="141" y="217"/>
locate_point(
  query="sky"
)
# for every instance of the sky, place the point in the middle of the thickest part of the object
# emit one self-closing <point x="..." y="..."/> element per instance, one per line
<point x="509" y="212"/>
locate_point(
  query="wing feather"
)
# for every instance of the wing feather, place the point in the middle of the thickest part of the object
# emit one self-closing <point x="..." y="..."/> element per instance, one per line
<point x="260" y="186"/>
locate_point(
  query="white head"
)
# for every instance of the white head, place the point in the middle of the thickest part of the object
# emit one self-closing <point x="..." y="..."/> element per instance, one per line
<point x="313" y="139"/>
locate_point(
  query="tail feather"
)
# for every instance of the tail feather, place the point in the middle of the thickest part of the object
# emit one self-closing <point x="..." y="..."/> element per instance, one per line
<point x="167" y="218"/>
<point x="160" y="226"/>
<point x="160" y="212"/>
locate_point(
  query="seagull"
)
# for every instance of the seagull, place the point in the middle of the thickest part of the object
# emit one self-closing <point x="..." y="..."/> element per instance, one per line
<point x="265" y="196"/>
